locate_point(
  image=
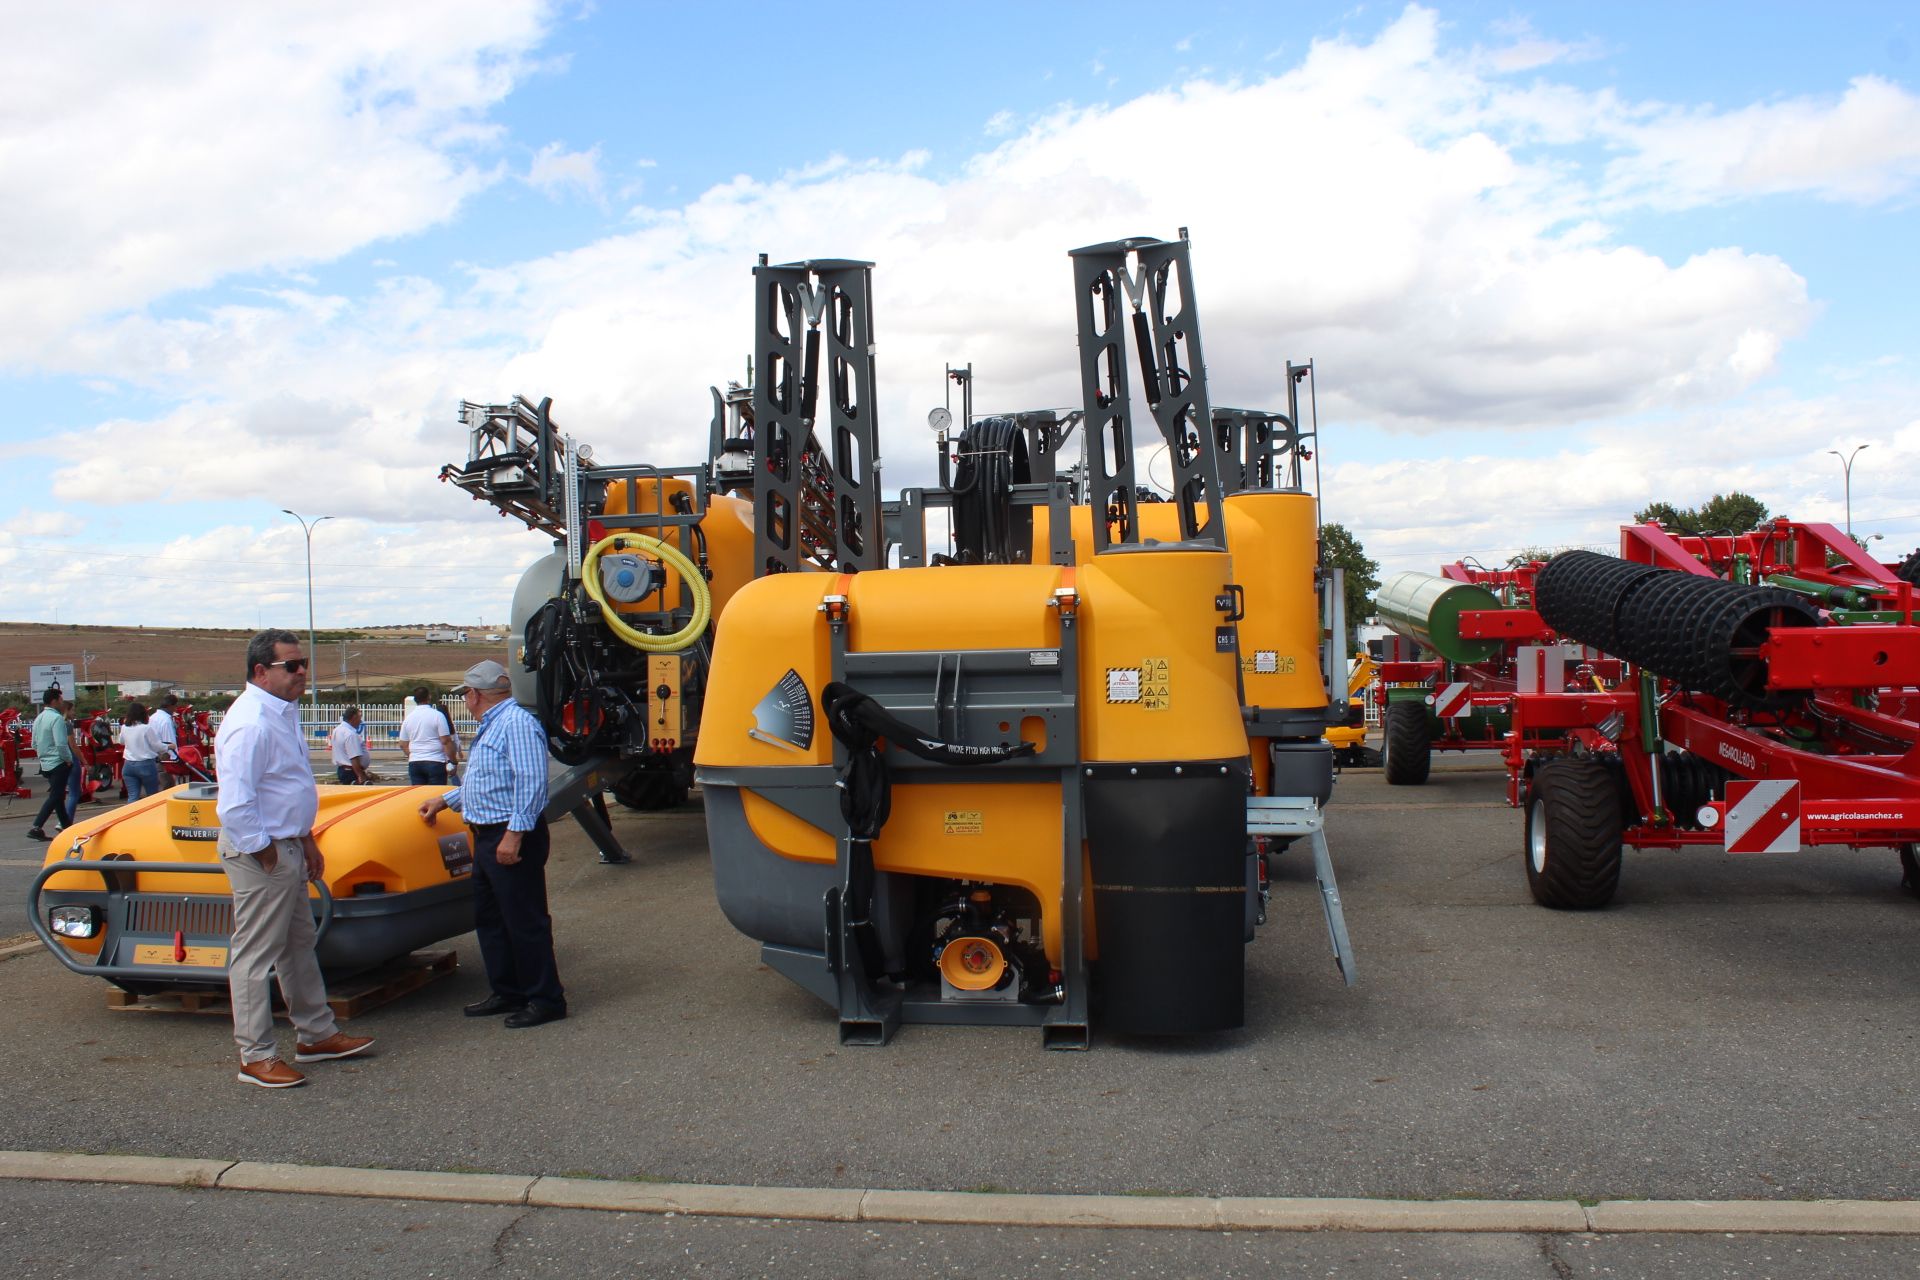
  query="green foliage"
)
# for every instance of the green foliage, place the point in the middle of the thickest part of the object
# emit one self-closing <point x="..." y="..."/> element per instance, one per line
<point x="1527" y="555"/>
<point x="1339" y="549"/>
<point x="1734" y="512"/>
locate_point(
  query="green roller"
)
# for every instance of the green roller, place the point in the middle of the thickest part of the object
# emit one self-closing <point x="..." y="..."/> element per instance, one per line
<point x="1427" y="609"/>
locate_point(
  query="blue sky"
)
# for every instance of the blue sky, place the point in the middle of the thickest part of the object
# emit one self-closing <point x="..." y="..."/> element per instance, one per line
<point x="1553" y="261"/>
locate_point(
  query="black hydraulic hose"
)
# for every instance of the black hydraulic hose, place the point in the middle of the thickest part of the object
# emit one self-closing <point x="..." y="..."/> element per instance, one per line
<point x="1143" y="343"/>
<point x="810" y="379"/>
<point x="865" y="729"/>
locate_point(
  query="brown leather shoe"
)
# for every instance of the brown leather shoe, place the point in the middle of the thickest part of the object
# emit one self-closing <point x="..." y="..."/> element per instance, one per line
<point x="337" y="1045"/>
<point x="270" y="1074"/>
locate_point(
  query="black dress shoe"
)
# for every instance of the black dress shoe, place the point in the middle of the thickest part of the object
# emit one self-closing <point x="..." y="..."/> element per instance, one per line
<point x="533" y="1015"/>
<point x="494" y="1004"/>
<point x="35" y="833"/>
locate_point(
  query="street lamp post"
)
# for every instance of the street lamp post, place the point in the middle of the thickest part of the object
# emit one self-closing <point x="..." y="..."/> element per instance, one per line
<point x="307" y="527"/>
<point x="1846" y="471"/>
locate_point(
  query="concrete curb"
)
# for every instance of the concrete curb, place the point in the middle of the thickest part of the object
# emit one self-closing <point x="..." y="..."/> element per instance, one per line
<point x="158" y="1171"/>
<point x="21" y="949"/>
<point x="811" y="1204"/>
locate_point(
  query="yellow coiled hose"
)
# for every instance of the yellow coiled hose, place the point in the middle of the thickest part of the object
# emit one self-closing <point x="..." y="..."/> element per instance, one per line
<point x="688" y="571"/>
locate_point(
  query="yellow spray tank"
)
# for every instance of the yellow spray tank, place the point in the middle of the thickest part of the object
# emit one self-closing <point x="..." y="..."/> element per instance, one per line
<point x="1273" y="537"/>
<point x="1125" y="824"/>
<point x="137" y="896"/>
<point x="998" y="792"/>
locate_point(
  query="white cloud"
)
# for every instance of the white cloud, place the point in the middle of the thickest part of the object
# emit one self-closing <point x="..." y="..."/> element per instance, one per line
<point x="1862" y="148"/>
<point x="558" y="171"/>
<point x="154" y="148"/>
<point x="1423" y="229"/>
<point x="237" y="575"/>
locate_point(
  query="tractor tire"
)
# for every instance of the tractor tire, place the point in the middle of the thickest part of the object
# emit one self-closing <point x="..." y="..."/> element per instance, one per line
<point x="1909" y="870"/>
<point x="1908" y="570"/>
<point x="650" y="791"/>
<point x="1573" y="835"/>
<point x="1406" y="751"/>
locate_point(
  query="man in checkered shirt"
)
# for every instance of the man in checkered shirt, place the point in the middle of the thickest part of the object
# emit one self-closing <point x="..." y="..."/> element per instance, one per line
<point x="503" y="797"/>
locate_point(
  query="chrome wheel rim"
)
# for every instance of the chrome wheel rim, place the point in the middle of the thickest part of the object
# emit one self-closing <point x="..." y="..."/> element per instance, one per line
<point x="1537" y="837"/>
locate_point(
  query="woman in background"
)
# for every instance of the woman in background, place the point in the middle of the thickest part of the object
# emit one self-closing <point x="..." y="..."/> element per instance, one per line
<point x="140" y="766"/>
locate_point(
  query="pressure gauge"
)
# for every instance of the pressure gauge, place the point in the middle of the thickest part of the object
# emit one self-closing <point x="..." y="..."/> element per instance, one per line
<point x="940" y="420"/>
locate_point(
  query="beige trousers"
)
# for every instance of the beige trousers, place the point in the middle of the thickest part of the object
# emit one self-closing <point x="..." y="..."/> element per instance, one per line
<point x="273" y="935"/>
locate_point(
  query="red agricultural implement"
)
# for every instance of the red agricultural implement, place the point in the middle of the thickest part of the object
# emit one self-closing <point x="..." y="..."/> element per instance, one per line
<point x="194" y="732"/>
<point x="16" y="744"/>
<point x="1771" y="702"/>
<point x="100" y="757"/>
<point x="1479" y="644"/>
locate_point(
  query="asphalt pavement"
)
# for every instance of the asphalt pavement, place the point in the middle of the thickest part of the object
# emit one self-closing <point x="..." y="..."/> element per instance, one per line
<point x="54" y="1230"/>
<point x="1730" y="1028"/>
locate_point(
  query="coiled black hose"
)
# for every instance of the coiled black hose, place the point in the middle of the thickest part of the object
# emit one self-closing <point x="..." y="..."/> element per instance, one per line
<point x="865" y="729"/>
<point x="987" y="527"/>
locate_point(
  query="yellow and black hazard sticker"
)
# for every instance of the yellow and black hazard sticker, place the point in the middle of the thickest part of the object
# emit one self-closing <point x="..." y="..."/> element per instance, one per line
<point x="1123" y="684"/>
<point x="1156" y="684"/>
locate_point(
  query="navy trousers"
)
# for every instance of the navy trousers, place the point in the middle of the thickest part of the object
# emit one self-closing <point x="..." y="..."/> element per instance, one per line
<point x="56" y="801"/>
<point x="510" y="916"/>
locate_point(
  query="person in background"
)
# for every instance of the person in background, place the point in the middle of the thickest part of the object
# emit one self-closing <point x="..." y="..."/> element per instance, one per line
<point x="504" y="800"/>
<point x="160" y="719"/>
<point x="53" y="748"/>
<point x="140" y="754"/>
<point x="267" y="805"/>
<point x="350" y="758"/>
<point x="77" y="777"/>
<point x="428" y="733"/>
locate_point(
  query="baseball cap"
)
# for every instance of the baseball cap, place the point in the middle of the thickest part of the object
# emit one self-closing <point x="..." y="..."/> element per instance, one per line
<point x="488" y="675"/>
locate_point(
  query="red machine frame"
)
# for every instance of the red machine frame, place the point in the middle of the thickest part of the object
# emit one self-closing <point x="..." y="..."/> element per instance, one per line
<point x="1859" y="768"/>
<point x="1496" y="682"/>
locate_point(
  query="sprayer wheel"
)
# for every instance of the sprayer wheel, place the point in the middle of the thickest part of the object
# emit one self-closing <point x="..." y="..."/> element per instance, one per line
<point x="1406" y="753"/>
<point x="1909" y="870"/>
<point x="1573" y="835"/>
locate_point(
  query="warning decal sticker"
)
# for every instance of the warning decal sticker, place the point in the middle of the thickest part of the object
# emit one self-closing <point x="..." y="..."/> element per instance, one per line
<point x="1156" y="693"/>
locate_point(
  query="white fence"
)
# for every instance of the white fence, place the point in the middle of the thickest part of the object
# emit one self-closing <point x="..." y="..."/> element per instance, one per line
<point x="379" y="725"/>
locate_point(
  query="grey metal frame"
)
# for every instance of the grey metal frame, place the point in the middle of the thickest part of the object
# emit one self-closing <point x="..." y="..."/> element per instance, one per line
<point x="802" y="312"/>
<point x="1046" y="434"/>
<point x="1166" y="338"/>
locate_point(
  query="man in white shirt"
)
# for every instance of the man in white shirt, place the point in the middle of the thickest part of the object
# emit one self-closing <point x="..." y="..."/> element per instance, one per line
<point x="428" y="734"/>
<point x="164" y="730"/>
<point x="267" y="805"/>
<point x="350" y="758"/>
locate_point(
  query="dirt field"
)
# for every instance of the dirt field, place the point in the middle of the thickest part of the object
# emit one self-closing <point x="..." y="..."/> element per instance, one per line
<point x="209" y="659"/>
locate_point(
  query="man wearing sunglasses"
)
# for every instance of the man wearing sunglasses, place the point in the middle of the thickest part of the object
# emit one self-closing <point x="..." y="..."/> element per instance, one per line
<point x="267" y="806"/>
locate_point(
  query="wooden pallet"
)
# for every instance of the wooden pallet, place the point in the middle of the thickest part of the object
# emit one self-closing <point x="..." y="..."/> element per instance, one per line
<point x="362" y="993"/>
